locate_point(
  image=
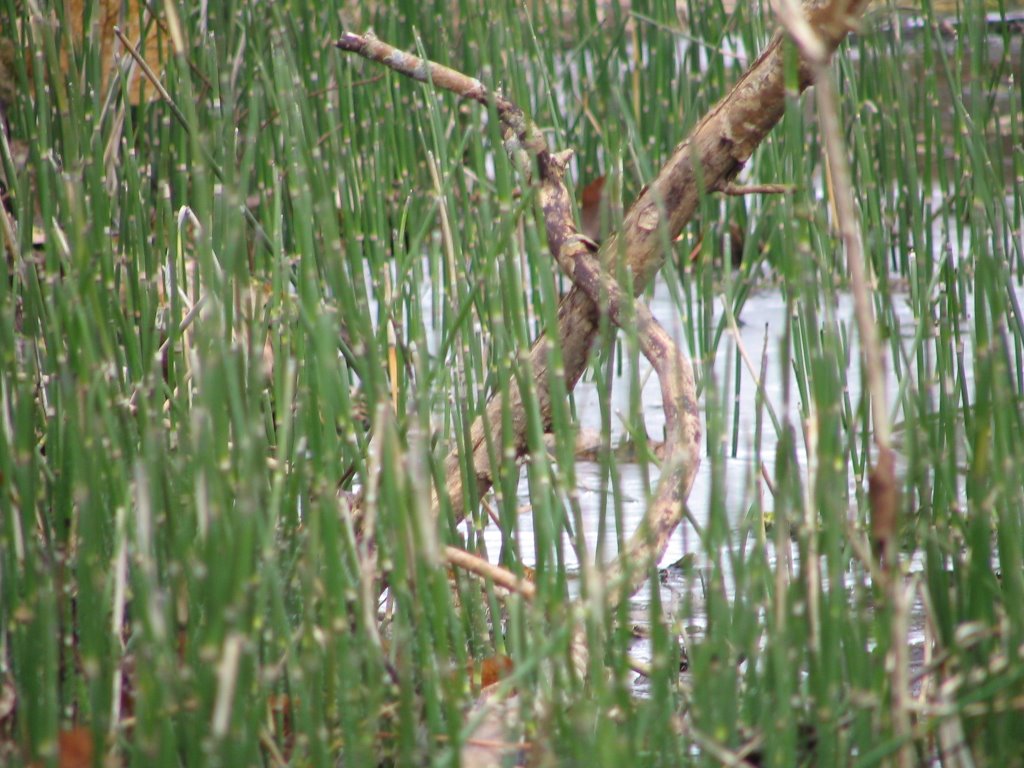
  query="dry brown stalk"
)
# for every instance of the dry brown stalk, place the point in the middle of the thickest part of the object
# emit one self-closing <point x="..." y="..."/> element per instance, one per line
<point x="882" y="484"/>
<point x="738" y="190"/>
<point x="501" y="577"/>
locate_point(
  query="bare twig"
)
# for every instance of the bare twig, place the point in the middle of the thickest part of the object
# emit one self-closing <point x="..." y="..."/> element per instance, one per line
<point x="501" y="577"/>
<point x="713" y="153"/>
<point x="575" y="254"/>
<point x="738" y="190"/>
<point x="505" y="579"/>
<point x="150" y="75"/>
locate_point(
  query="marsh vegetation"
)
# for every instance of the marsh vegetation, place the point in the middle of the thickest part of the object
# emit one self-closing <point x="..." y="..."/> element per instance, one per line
<point x="249" y="326"/>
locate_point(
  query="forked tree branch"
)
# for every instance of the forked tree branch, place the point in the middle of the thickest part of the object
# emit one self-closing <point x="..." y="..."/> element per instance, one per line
<point x="575" y="254"/>
<point x="711" y="156"/>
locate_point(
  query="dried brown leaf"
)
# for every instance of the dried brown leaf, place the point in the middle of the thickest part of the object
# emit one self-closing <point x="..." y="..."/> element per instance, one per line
<point x="487" y="672"/>
<point x="75" y="748"/>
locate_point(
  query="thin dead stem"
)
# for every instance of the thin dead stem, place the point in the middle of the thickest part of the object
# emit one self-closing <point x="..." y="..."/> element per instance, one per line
<point x="738" y="190"/>
<point x="883" y="488"/>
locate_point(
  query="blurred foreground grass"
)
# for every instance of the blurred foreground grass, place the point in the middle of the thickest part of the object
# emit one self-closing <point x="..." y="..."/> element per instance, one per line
<point x="194" y="297"/>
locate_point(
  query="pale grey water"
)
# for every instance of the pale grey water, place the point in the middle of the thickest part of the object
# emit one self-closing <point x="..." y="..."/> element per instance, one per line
<point x="763" y="312"/>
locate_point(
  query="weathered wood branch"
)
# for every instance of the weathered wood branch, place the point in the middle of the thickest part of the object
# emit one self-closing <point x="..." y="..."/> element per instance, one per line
<point x="575" y="254"/>
<point x="682" y="429"/>
<point x="711" y="155"/>
<point x="715" y="151"/>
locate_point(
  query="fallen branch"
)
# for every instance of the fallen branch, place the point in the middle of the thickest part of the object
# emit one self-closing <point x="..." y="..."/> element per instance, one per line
<point x="714" y="153"/>
<point x="711" y="156"/>
<point x="502" y="577"/>
<point x="575" y="254"/>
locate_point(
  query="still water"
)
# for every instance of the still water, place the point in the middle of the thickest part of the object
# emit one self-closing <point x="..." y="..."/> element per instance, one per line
<point x="762" y="324"/>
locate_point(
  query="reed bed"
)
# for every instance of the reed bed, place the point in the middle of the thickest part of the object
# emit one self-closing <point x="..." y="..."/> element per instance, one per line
<point x="300" y="276"/>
